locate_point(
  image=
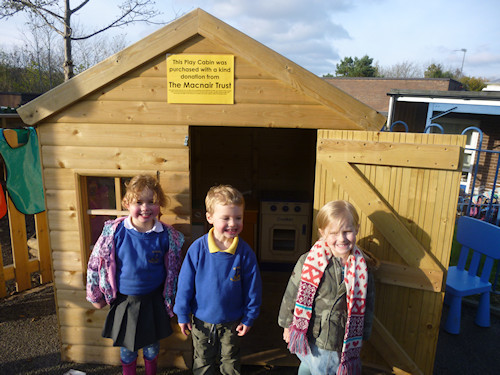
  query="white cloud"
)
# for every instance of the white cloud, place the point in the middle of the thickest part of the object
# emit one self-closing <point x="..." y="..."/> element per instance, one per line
<point x="300" y="30"/>
<point x="317" y="34"/>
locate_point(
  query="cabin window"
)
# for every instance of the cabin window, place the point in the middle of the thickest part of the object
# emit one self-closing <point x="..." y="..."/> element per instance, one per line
<point x="100" y="196"/>
<point x="104" y="196"/>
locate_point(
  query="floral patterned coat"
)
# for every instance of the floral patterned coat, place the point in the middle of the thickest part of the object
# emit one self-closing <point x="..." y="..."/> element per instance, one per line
<point x="101" y="270"/>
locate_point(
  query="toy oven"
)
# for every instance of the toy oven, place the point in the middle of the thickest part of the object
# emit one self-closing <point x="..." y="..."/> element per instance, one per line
<point x="285" y="231"/>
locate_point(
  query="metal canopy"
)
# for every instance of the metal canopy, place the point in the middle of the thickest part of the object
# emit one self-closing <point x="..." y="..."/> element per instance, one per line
<point x="444" y="102"/>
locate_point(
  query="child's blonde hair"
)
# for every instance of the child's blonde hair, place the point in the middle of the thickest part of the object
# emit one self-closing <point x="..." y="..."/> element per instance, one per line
<point x="337" y="211"/>
<point x="343" y="210"/>
<point x="224" y="195"/>
<point x="140" y="182"/>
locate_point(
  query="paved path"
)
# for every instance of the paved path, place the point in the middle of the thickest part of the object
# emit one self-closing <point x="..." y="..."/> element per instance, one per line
<point x="474" y="351"/>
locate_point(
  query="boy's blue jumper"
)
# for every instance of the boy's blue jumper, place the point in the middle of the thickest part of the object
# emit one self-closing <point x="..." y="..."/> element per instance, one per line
<point x="219" y="287"/>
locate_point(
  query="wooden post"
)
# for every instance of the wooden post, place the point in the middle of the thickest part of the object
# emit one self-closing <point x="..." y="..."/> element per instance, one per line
<point x="19" y="242"/>
<point x="42" y="235"/>
<point x="3" y="289"/>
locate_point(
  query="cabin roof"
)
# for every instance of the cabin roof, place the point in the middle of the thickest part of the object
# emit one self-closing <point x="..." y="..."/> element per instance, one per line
<point x="199" y="22"/>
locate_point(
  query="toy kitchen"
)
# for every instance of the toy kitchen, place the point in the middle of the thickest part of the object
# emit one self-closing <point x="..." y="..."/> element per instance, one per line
<point x="284" y="231"/>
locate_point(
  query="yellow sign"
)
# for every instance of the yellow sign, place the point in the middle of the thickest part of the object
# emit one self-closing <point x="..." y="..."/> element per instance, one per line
<point x="200" y="79"/>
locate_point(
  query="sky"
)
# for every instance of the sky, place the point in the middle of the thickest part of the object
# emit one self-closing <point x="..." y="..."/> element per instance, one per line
<point x="318" y="34"/>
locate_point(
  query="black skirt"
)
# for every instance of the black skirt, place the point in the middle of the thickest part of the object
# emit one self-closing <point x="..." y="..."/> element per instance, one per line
<point x="134" y="322"/>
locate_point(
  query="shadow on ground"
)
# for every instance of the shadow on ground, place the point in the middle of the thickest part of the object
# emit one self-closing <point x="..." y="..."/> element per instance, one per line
<point x="29" y="343"/>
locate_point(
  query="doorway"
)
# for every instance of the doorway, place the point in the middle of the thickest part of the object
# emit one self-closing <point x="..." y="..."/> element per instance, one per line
<point x="266" y="165"/>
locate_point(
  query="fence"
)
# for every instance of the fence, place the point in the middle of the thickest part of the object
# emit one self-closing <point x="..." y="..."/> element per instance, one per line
<point x="23" y="265"/>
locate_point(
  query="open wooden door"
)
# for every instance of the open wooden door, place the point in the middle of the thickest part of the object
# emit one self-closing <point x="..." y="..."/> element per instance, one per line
<point x="405" y="187"/>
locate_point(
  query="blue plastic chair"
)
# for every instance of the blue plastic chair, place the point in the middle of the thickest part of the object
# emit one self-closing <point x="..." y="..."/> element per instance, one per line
<point x="483" y="239"/>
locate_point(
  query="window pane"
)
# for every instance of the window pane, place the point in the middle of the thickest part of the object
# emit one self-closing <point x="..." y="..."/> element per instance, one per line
<point x="123" y="181"/>
<point x="101" y="192"/>
<point x="467" y="161"/>
<point x="101" y="195"/>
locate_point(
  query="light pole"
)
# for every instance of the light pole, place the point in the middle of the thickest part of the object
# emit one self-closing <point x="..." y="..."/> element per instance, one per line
<point x="463" y="59"/>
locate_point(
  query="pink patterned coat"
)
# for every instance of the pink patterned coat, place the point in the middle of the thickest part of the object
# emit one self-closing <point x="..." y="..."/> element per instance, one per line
<point x="101" y="270"/>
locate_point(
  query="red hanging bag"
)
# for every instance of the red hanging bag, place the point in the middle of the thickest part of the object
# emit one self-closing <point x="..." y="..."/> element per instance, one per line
<point x="3" y="203"/>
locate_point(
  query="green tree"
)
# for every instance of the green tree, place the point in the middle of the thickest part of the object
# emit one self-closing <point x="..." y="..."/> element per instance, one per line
<point x="470" y="83"/>
<point x="23" y="71"/>
<point x="350" y="67"/>
<point x="473" y="83"/>
<point x="437" y="71"/>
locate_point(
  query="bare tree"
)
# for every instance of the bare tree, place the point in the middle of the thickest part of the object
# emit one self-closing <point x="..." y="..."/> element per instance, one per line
<point x="36" y="66"/>
<point x="57" y="15"/>
<point x="89" y="52"/>
<point x="43" y="54"/>
<point x="11" y="77"/>
<point x="405" y="69"/>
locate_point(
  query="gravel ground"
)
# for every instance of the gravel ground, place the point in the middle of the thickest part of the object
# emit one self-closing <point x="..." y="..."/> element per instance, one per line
<point x="29" y="343"/>
<point x="29" y="340"/>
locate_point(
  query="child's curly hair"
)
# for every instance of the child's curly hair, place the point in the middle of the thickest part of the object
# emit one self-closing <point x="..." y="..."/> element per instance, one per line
<point x="140" y="182"/>
<point x="224" y="195"/>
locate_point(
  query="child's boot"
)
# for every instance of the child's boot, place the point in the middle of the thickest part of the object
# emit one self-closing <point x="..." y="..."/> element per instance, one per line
<point x="150" y="366"/>
<point x="130" y="368"/>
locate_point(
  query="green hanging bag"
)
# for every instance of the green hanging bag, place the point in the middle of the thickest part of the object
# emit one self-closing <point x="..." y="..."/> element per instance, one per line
<point x="24" y="175"/>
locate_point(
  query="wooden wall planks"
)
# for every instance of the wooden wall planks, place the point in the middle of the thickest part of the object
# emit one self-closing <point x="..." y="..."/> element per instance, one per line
<point x="424" y="200"/>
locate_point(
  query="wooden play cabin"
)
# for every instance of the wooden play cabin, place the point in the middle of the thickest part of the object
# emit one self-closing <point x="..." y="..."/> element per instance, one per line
<point x="281" y="135"/>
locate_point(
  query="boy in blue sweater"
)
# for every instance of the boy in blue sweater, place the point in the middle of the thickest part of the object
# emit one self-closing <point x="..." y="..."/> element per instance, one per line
<point x="219" y="285"/>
